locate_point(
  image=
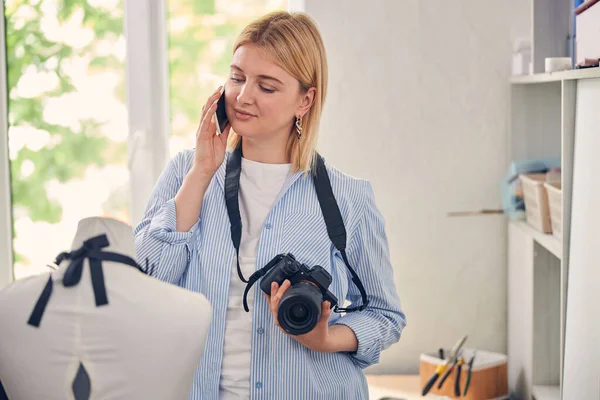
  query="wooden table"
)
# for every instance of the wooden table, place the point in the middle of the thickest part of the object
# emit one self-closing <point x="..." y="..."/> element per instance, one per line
<point x="406" y="387"/>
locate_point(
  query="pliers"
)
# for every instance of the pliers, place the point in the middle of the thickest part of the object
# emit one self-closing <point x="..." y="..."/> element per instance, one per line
<point x="442" y="367"/>
<point x="447" y="373"/>
<point x="469" y="371"/>
<point x="459" y="365"/>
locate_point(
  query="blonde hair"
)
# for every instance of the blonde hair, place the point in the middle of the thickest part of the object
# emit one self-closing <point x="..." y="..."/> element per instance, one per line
<point x="293" y="41"/>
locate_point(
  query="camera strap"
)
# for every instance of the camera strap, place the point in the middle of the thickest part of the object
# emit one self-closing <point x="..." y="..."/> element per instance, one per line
<point x="329" y="207"/>
<point x="233" y="171"/>
<point x="257" y="275"/>
<point x="335" y="227"/>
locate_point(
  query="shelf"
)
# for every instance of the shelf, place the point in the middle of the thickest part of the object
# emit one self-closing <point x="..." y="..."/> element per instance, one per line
<point x="587" y="73"/>
<point x="541" y="392"/>
<point x="548" y="241"/>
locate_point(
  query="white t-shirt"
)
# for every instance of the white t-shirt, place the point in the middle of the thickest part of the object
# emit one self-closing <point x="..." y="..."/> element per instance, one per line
<point x="260" y="185"/>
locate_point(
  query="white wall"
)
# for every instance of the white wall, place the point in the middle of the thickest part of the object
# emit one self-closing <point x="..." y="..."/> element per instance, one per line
<point x="417" y="104"/>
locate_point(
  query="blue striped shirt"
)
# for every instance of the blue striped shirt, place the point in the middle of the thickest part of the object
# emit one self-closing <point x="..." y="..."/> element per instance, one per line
<point x="201" y="260"/>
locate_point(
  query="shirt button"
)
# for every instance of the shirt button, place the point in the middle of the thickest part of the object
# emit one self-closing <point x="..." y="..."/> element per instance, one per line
<point x="268" y="226"/>
<point x="258" y="385"/>
<point x="260" y="331"/>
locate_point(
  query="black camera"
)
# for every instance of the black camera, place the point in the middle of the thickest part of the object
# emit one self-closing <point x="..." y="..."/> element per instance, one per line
<point x="300" y="307"/>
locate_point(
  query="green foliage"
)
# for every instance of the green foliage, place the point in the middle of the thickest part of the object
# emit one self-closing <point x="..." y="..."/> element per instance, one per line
<point x="196" y="67"/>
<point x="72" y="150"/>
<point x="205" y="7"/>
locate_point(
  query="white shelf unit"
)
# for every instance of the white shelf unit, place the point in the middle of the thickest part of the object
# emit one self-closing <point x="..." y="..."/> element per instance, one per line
<point x="542" y="124"/>
<point x="546" y="240"/>
<point x="543" y="112"/>
<point x="551" y="27"/>
<point x="541" y="392"/>
<point x="585" y="73"/>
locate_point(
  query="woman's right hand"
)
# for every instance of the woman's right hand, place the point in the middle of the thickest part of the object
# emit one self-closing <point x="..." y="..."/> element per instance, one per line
<point x="210" y="148"/>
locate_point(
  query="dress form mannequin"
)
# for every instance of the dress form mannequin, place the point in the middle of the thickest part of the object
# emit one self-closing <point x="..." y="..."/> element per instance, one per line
<point x="145" y="343"/>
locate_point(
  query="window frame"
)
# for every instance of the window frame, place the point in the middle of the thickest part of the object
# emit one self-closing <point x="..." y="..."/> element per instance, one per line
<point x="6" y="242"/>
<point x="148" y="102"/>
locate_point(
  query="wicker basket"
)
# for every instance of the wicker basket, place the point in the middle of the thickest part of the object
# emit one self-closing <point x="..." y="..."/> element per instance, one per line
<point x="555" y="203"/>
<point x="536" y="201"/>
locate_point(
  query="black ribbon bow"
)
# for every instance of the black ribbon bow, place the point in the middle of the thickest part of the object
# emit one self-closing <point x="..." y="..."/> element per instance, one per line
<point x="91" y="250"/>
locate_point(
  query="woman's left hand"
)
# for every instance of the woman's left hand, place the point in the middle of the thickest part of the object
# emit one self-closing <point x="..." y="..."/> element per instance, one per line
<point x="319" y="339"/>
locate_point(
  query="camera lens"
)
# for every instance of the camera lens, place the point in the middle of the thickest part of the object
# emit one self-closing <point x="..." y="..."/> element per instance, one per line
<point x="298" y="312"/>
<point x="300" y="308"/>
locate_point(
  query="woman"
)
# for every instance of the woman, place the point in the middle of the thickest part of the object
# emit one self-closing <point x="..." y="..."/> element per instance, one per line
<point x="274" y="98"/>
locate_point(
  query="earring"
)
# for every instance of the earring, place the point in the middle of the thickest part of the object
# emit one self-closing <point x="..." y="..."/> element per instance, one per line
<point x="299" y="127"/>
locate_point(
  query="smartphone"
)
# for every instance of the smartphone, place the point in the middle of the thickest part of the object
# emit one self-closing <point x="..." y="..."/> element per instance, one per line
<point x="221" y="115"/>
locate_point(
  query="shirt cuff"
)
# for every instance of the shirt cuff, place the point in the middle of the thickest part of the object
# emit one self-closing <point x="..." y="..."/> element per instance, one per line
<point x="164" y="225"/>
<point x="368" y="350"/>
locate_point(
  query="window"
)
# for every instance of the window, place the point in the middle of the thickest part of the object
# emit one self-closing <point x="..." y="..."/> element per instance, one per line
<point x="67" y="134"/>
<point x="77" y="146"/>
